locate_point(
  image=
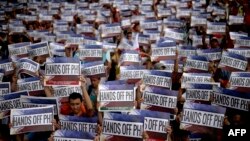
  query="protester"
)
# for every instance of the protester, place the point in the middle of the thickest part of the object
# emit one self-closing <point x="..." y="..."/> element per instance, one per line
<point x="125" y="69"/>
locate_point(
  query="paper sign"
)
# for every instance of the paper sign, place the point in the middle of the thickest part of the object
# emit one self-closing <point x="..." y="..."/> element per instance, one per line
<point x="116" y="97"/>
<point x="31" y="120"/>
<point x="231" y="99"/>
<point x="125" y="127"/>
<point x="5" y="88"/>
<point x="62" y="71"/>
<point x="203" y="115"/>
<point x="10" y="101"/>
<point x="231" y="61"/>
<point x="32" y="85"/>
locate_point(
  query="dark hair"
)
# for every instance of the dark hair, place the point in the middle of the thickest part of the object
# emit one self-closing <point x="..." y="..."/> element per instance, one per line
<point x="75" y="95"/>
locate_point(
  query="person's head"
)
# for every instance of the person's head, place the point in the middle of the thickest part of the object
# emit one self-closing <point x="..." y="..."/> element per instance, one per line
<point x="214" y="43"/>
<point x="236" y="119"/>
<point x="75" y="102"/>
<point x="95" y="81"/>
<point x="129" y="35"/>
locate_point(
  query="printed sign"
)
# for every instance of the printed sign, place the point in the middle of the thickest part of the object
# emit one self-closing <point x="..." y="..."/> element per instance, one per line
<point x="231" y="61"/>
<point x="5" y="88"/>
<point x="70" y="135"/>
<point x="159" y="99"/>
<point x="31" y="120"/>
<point x="158" y="78"/>
<point x="116" y="97"/>
<point x="231" y="99"/>
<point x="154" y="123"/>
<point x="33" y="85"/>
<point x="62" y="71"/>
<point x="34" y="101"/>
<point x="10" y="101"/>
<point x="203" y="115"/>
<point x="122" y="127"/>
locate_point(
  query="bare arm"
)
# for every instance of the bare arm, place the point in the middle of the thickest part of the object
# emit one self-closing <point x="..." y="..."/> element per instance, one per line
<point x="86" y="97"/>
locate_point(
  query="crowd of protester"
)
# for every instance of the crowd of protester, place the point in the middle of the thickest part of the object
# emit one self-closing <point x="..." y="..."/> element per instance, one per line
<point x="234" y="119"/>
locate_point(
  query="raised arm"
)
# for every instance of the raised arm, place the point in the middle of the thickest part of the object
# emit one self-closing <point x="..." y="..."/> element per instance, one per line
<point x="86" y="97"/>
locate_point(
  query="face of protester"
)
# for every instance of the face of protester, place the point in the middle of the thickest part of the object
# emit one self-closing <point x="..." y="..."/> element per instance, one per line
<point x="236" y="119"/>
<point x="130" y="36"/>
<point x="75" y="105"/>
<point x="95" y="82"/>
<point x="214" y="44"/>
<point x="68" y="52"/>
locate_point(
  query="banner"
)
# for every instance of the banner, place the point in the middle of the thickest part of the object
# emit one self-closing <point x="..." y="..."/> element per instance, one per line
<point x="131" y="73"/>
<point x="61" y="91"/>
<point x="240" y="81"/>
<point x="107" y="45"/>
<point x="158" y="78"/>
<point x="31" y="120"/>
<point x="241" y="51"/>
<point x="202" y="115"/>
<point x="242" y="42"/>
<point x="173" y="23"/>
<point x="84" y="28"/>
<point x="110" y="30"/>
<point x="196" y="64"/>
<point x="5" y="88"/>
<point x="75" y="39"/>
<point x="159" y="99"/>
<point x="122" y="127"/>
<point x="75" y="123"/>
<point x="231" y="99"/>
<point x="164" y="12"/>
<point x="116" y="97"/>
<point x="32" y="84"/>
<point x="199" y="92"/>
<point x="27" y="66"/>
<point x="154" y="35"/>
<point x="164" y="51"/>
<point x="91" y="52"/>
<point x="91" y="41"/>
<point x="125" y="23"/>
<point x="95" y="68"/>
<point x="175" y="34"/>
<point x="235" y="20"/>
<point x="130" y="57"/>
<point x="33" y="101"/>
<point x="143" y="40"/>
<point x="198" y="21"/>
<point x="68" y="135"/>
<point x="183" y="12"/>
<point x="168" y="66"/>
<point x="155" y="123"/>
<point x="195" y="78"/>
<point x="10" y="101"/>
<point x="231" y="62"/>
<point x="125" y="44"/>
<point x="237" y="35"/>
<point x="185" y="51"/>
<point x="149" y="24"/>
<point x="18" y="50"/>
<point x="210" y="54"/>
<point x="216" y="27"/>
<point x="197" y="40"/>
<point x="62" y="71"/>
<point x="38" y="49"/>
